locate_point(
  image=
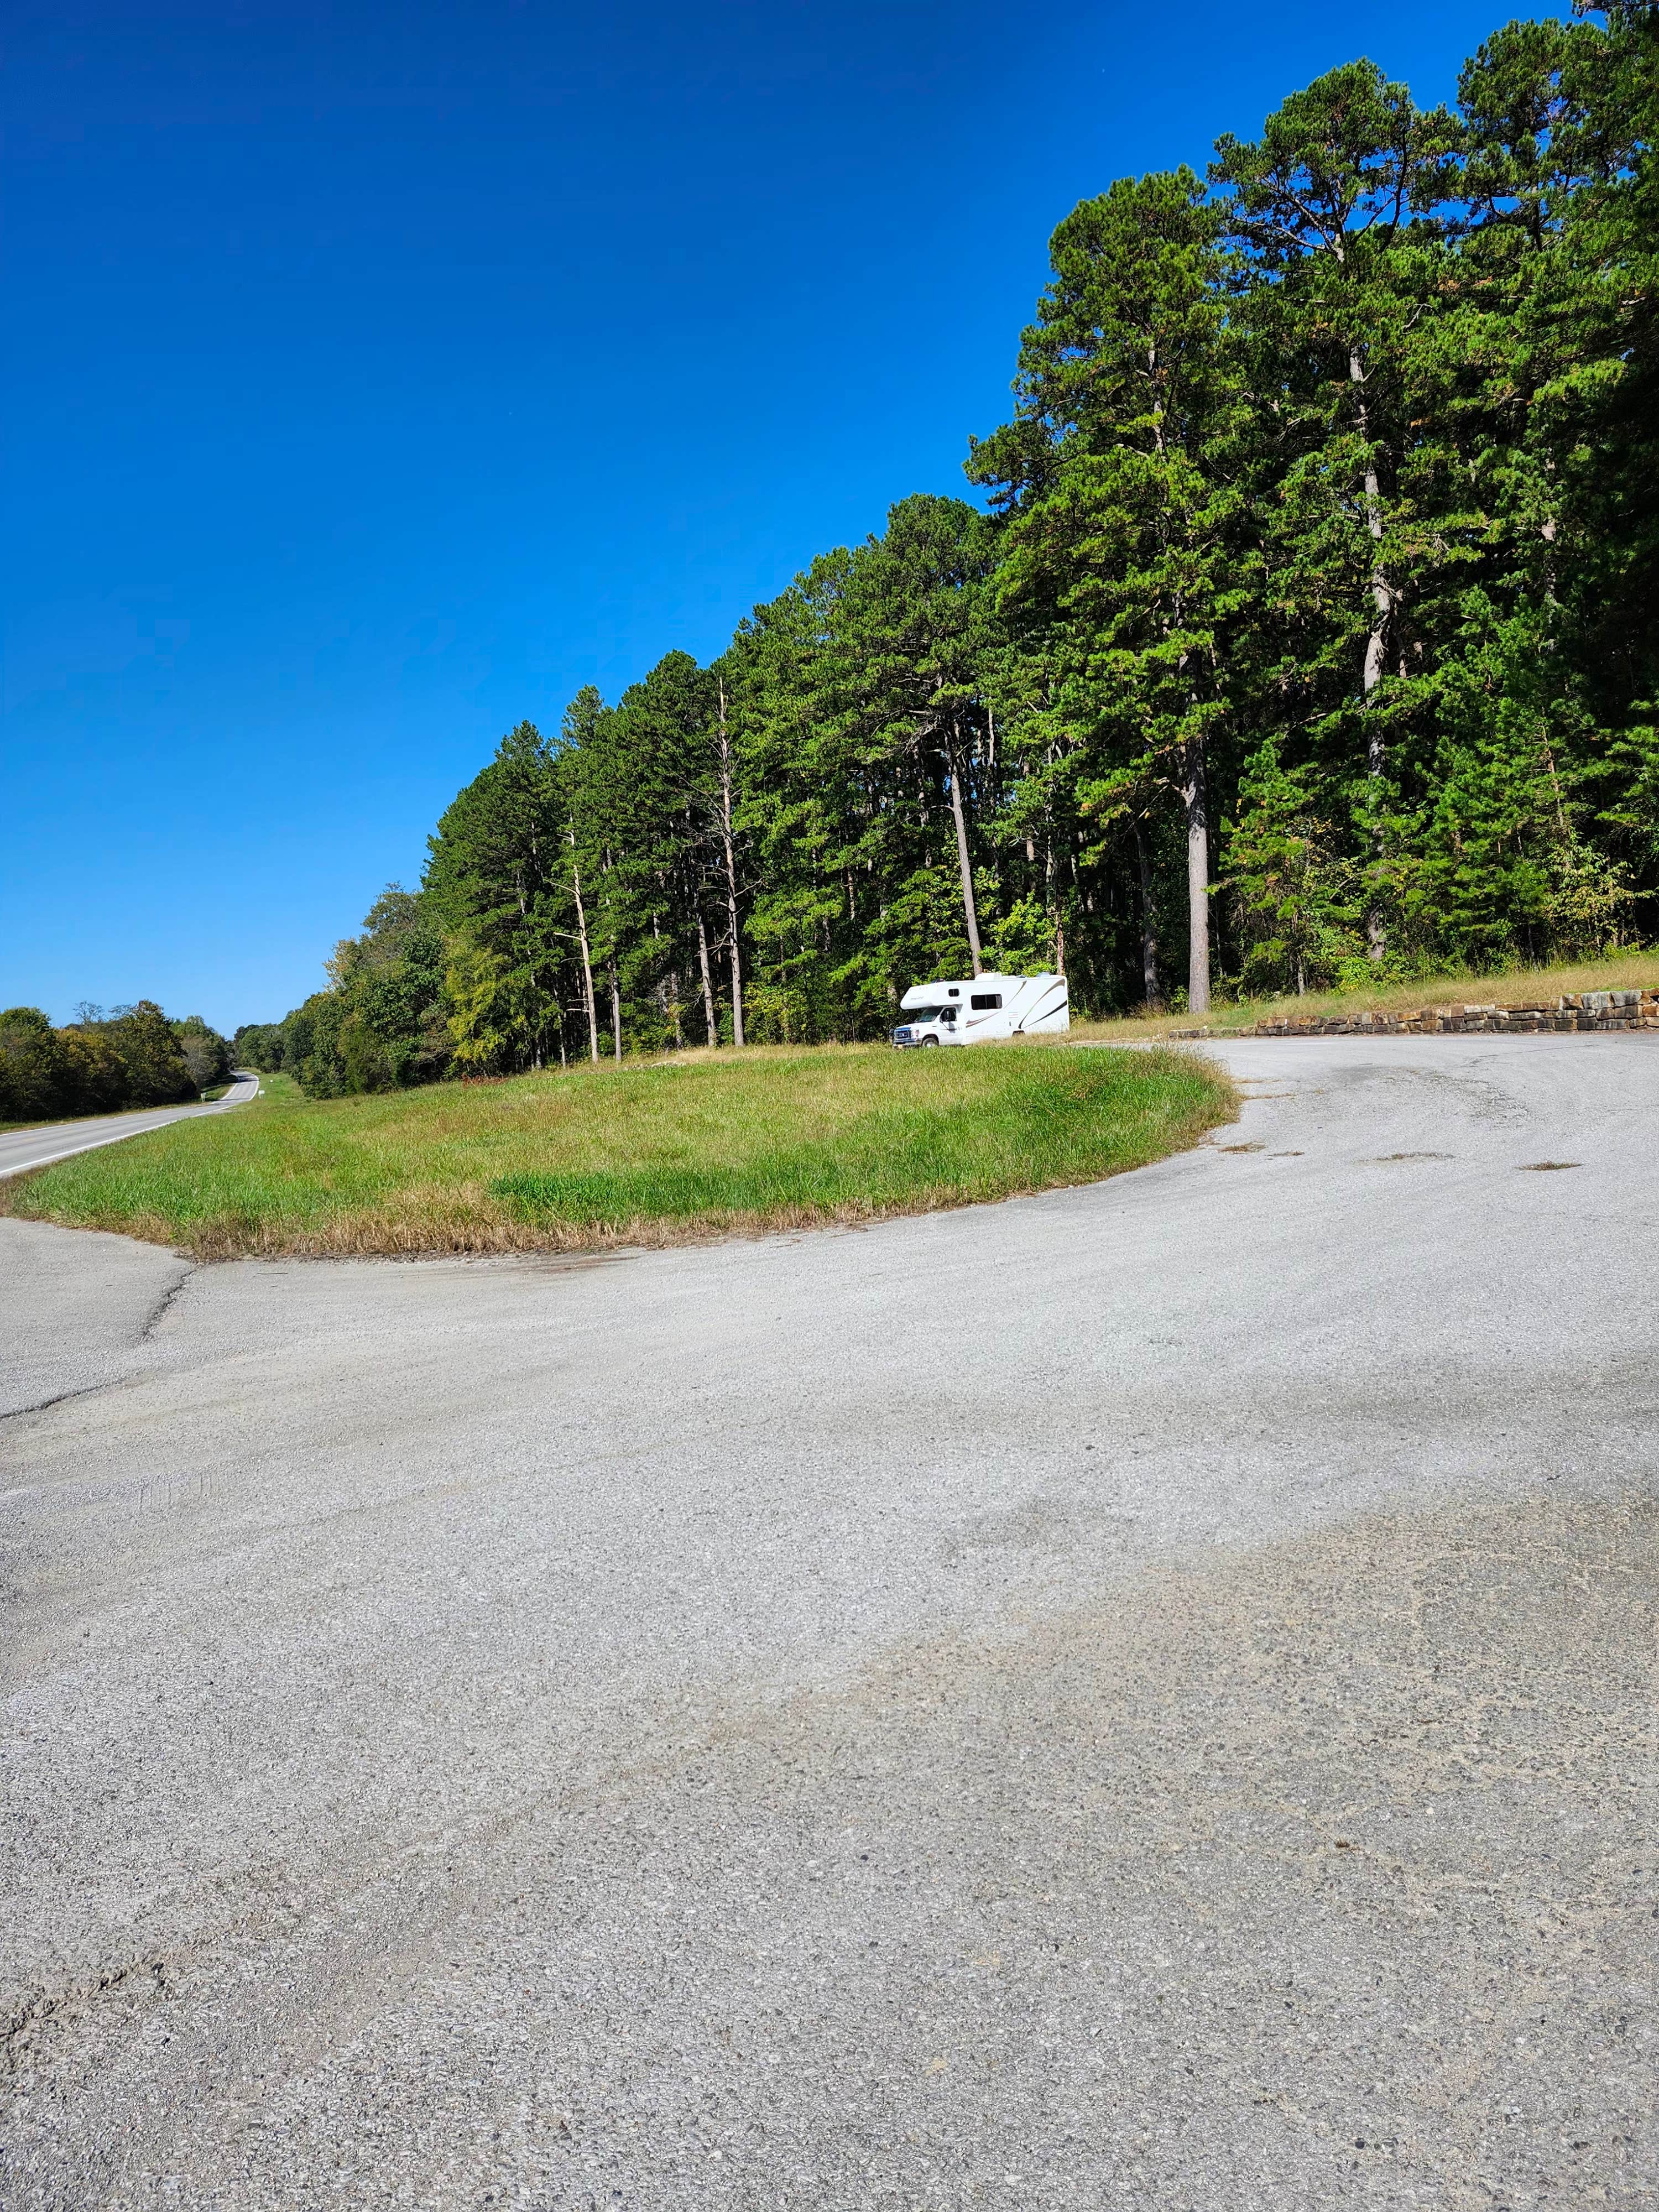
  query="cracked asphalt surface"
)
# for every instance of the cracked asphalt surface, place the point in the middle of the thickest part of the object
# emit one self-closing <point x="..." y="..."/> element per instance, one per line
<point x="1143" y="1696"/>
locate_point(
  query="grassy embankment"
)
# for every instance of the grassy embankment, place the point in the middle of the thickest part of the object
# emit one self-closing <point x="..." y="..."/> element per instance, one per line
<point x="1626" y="971"/>
<point x="655" y="1151"/>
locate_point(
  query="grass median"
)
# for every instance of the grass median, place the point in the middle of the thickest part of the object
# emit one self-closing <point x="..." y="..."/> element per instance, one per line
<point x="650" y="1152"/>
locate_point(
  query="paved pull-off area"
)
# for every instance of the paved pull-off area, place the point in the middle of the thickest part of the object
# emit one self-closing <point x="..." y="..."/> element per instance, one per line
<point x="41" y="1143"/>
<point x="1143" y="1696"/>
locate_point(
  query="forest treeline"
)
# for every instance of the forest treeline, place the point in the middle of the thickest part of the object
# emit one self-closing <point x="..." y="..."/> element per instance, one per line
<point x="1305" y="633"/>
<point x="100" y="1063"/>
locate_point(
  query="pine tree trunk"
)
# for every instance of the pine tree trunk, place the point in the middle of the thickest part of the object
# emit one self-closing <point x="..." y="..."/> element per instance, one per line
<point x="1194" y="791"/>
<point x="1148" y="923"/>
<point x="1383" y="600"/>
<point x="731" y="873"/>
<point x="707" y="981"/>
<point x="615" y="1012"/>
<point x="1377" y="942"/>
<point x="1051" y="885"/>
<point x="968" y="907"/>
<point x="587" y="961"/>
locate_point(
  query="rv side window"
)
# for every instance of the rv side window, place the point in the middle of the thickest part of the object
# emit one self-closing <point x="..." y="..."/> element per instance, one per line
<point x="985" y="1002"/>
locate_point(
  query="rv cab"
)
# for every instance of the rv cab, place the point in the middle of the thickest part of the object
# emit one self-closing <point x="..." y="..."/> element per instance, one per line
<point x="932" y="1022"/>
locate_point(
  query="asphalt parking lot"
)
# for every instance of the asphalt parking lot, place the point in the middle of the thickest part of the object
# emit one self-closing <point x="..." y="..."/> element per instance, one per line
<point x="1143" y="1696"/>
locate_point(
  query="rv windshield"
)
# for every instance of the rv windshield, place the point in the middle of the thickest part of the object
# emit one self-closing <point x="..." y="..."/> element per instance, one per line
<point x="913" y="1017"/>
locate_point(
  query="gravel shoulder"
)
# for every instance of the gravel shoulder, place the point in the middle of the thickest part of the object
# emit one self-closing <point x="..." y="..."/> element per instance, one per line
<point x="1138" y="1695"/>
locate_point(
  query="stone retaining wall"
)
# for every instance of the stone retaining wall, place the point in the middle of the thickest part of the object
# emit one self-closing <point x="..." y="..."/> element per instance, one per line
<point x="1579" y="1011"/>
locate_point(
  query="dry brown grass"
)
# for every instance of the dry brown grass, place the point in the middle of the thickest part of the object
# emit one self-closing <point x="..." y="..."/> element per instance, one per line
<point x="469" y="1222"/>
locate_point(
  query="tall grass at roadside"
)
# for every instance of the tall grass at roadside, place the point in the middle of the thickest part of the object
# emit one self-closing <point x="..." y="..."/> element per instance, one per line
<point x="654" y="1151"/>
<point x="1617" y="971"/>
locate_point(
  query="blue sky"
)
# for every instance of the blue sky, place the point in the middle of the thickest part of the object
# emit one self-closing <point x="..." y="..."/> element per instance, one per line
<point x="376" y="375"/>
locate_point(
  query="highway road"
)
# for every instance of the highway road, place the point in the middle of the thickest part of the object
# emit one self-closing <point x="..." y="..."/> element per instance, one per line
<point x="1138" y="1696"/>
<point x="38" y="1146"/>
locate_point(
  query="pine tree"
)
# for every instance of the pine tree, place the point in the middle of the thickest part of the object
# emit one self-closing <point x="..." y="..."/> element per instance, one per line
<point x="1123" y="553"/>
<point x="1298" y="902"/>
<point x="496" y="878"/>
<point x="1338" y="214"/>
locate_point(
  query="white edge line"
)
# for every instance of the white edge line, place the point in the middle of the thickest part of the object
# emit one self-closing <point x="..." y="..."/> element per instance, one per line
<point x="118" y="1137"/>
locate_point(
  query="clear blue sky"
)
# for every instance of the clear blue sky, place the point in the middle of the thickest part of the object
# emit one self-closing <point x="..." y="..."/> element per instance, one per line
<point x="374" y="376"/>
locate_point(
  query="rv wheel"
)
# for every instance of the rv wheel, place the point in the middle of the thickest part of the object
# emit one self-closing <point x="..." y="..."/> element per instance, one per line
<point x="930" y="1040"/>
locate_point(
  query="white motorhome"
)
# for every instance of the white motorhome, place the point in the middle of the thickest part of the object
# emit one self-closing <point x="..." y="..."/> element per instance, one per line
<point x="981" y="1008"/>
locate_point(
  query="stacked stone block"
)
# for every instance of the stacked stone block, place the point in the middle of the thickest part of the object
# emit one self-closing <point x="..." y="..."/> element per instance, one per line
<point x="1579" y="1011"/>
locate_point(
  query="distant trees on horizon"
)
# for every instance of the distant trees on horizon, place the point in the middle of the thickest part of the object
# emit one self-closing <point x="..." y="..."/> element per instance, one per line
<point x="1310" y="635"/>
<point x="100" y="1063"/>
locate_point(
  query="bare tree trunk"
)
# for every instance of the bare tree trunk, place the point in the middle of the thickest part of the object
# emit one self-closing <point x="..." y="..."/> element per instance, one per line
<point x="730" y="872"/>
<point x="1196" y="793"/>
<point x="707" y="981"/>
<point x="968" y="907"/>
<point x="615" y="1012"/>
<point x="1148" y="923"/>
<point x="1051" y="888"/>
<point x="1384" y="598"/>
<point x="536" y="1048"/>
<point x="587" y="960"/>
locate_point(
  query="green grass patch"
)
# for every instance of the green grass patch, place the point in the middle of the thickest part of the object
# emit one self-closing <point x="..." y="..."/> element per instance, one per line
<point x="654" y="1151"/>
